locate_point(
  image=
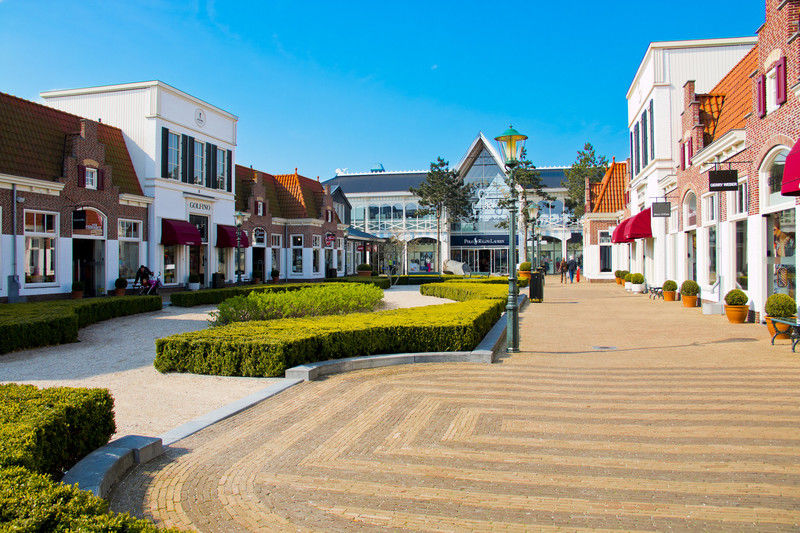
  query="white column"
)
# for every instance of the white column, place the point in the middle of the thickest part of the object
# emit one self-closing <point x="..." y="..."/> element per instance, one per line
<point x="112" y="263"/>
<point x="756" y="261"/>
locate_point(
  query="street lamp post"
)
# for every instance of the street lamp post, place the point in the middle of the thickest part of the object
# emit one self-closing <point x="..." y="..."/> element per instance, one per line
<point x="239" y="220"/>
<point x="533" y="214"/>
<point x="511" y="143"/>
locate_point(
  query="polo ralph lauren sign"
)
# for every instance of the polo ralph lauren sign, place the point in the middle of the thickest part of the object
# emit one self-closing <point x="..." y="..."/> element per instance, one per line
<point x="723" y="180"/>
<point x="479" y="240"/>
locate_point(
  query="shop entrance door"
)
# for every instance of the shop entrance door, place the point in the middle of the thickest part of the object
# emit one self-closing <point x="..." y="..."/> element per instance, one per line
<point x="691" y="254"/>
<point x="484" y="261"/>
<point x="88" y="264"/>
<point x="197" y="262"/>
<point x="781" y="245"/>
<point x="258" y="263"/>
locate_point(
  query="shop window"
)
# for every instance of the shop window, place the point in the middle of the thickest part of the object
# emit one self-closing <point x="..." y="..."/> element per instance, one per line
<point x="317" y="241"/>
<point x="222" y="169"/>
<point x="781" y="253"/>
<point x="690" y="210"/>
<point x="129" y="234"/>
<point x="741" y="254"/>
<point x="739" y="200"/>
<point x="276" y="259"/>
<point x="170" y="264"/>
<point x="316" y="254"/>
<point x="40" y="247"/>
<point x="773" y="171"/>
<point x="199" y="163"/>
<point x="710" y="208"/>
<point x="222" y="261"/>
<point x="297" y="254"/>
<point x="174" y="156"/>
<point x="275" y="240"/>
<point x="201" y="223"/>
<point x="712" y="255"/>
<point x="604" y="238"/>
<point x="340" y="259"/>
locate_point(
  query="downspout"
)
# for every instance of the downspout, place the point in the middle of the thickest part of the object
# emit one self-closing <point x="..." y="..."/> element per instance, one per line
<point x="13" y="278"/>
<point x="286" y="244"/>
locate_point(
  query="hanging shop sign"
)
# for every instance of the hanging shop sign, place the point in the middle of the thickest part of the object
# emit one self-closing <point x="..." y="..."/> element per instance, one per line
<point x="661" y="209"/>
<point x="723" y="180"/>
<point x="360" y="248"/>
<point x="330" y="238"/>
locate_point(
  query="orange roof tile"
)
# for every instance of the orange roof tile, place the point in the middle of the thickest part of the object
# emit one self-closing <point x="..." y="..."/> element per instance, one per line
<point x="608" y="196"/>
<point x="300" y="197"/>
<point x="737" y="102"/>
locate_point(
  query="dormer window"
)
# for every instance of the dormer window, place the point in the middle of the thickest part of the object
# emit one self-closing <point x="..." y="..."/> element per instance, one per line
<point x="771" y="88"/>
<point x="260" y="209"/>
<point x="91" y="178"/>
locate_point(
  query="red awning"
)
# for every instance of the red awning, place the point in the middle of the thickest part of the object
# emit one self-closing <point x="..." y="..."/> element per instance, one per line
<point x="179" y="232"/>
<point x="226" y="237"/>
<point x="638" y="226"/>
<point x="791" y="173"/>
<point x="618" y="235"/>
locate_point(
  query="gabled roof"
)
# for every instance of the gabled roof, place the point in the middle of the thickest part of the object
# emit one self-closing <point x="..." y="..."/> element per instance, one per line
<point x="376" y="182"/>
<point x="33" y="138"/>
<point x="300" y="197"/>
<point x="710" y="107"/>
<point x="475" y="148"/>
<point x="608" y="196"/>
<point x="737" y="101"/>
<point x="245" y="177"/>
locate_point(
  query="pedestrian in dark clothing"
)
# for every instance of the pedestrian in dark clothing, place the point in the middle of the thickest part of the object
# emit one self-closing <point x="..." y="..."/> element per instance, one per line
<point x="572" y="266"/>
<point x="562" y="267"/>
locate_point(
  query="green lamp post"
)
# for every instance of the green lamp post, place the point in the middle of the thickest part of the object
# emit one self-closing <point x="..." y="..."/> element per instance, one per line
<point x="533" y="214"/>
<point x="511" y="143"/>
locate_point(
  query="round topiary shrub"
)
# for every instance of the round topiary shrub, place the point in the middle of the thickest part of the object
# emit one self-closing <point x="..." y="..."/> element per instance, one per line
<point x="623" y="273"/>
<point x="637" y="279"/>
<point x="194" y="278"/>
<point x="77" y="286"/>
<point x="524" y="266"/>
<point x="781" y="306"/>
<point x="364" y="266"/>
<point x="627" y="276"/>
<point x="669" y="286"/>
<point x="690" y="288"/>
<point x="736" y="297"/>
<point x="121" y="283"/>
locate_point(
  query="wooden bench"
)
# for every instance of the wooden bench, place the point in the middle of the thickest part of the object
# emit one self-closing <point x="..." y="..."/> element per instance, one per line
<point x="786" y="327"/>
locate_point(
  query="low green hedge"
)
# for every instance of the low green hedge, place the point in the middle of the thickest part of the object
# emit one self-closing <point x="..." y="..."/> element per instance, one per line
<point x="268" y="348"/>
<point x="379" y="281"/>
<point x="33" y="502"/>
<point x="215" y="296"/>
<point x="27" y="325"/>
<point x="49" y="430"/>
<point x="461" y="291"/>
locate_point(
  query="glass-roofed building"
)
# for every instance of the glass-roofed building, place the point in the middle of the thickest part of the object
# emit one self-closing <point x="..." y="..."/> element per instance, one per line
<point x="383" y="205"/>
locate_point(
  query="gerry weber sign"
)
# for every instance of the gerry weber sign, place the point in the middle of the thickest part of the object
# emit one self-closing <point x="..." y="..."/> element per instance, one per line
<point x="479" y="240"/>
<point x="199" y="206"/>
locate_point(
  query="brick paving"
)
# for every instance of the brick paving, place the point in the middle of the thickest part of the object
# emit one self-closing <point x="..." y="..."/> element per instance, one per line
<point x="690" y="424"/>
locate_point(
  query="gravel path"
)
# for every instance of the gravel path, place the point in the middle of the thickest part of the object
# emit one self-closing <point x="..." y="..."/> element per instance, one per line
<point x="118" y="354"/>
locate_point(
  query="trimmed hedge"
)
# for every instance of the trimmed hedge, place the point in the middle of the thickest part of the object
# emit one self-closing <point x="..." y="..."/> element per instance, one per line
<point x="690" y="288"/>
<point x="27" y="325"/>
<point x="215" y="296"/>
<point x="460" y="291"/>
<point x="378" y="281"/>
<point x="33" y="502"/>
<point x="780" y="306"/>
<point x="268" y="348"/>
<point x="49" y="430"/>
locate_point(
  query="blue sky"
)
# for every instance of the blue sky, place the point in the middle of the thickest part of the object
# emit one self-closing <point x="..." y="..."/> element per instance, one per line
<point x="327" y="85"/>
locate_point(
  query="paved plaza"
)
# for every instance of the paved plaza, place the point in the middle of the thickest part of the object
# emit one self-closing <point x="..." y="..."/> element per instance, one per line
<point x="688" y="423"/>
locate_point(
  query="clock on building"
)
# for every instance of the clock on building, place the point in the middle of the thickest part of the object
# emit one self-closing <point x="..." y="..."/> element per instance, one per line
<point x="200" y="117"/>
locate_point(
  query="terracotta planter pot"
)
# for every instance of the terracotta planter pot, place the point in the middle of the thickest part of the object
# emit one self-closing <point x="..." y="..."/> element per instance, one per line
<point x="365" y="273"/>
<point x="524" y="274"/>
<point x="276" y="279"/>
<point x="77" y="295"/>
<point x="771" y="328"/>
<point x="669" y="296"/>
<point x="736" y="314"/>
<point x="619" y="281"/>
<point x="119" y="292"/>
<point x="689" y="301"/>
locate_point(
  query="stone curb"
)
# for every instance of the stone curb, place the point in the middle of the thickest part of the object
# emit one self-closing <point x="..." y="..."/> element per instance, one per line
<point x="98" y="471"/>
<point x="483" y="353"/>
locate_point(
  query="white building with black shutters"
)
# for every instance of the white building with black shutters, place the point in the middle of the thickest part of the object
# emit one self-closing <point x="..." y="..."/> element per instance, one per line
<point x="183" y="150"/>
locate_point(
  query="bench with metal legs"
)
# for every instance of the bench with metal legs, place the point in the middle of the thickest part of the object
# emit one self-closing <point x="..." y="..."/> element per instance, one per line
<point x="786" y="327"/>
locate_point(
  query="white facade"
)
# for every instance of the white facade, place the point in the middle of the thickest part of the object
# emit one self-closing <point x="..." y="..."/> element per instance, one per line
<point x="655" y="104"/>
<point x="142" y="111"/>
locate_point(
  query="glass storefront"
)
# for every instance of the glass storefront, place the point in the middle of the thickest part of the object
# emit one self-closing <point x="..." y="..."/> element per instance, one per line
<point x="712" y="255"/>
<point x="422" y="255"/>
<point x="691" y="254"/>
<point x="170" y="264"/>
<point x="781" y="245"/>
<point x="741" y="254"/>
<point x="494" y="261"/>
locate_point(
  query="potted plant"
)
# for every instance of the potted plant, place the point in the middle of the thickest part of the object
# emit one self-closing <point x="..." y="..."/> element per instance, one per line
<point x="779" y="306"/>
<point x="622" y="274"/>
<point x="689" y="291"/>
<point x="627" y="279"/>
<point x="668" y="290"/>
<point x="525" y="270"/>
<point x="77" y="290"/>
<point x="120" y="284"/>
<point x="364" y="270"/>
<point x="618" y="277"/>
<point x="194" y="282"/>
<point x="637" y="283"/>
<point x="276" y="274"/>
<point x="736" y="307"/>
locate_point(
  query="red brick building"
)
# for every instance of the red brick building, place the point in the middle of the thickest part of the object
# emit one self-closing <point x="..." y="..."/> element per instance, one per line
<point x="71" y="206"/>
<point x="605" y="207"/>
<point x="292" y="226"/>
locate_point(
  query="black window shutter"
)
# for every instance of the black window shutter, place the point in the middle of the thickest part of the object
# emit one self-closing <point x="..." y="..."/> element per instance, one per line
<point x="81" y="176"/>
<point x="780" y="78"/>
<point x="101" y="179"/>
<point x="190" y="158"/>
<point x="230" y="178"/>
<point x="184" y="158"/>
<point x="652" y="134"/>
<point x="164" y="153"/>
<point x="645" y="151"/>
<point x="209" y="164"/>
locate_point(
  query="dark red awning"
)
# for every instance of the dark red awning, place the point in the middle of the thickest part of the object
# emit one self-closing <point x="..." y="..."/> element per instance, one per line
<point x="226" y="237"/>
<point x="638" y="226"/>
<point x="179" y="232"/>
<point x="618" y="235"/>
<point x="791" y="173"/>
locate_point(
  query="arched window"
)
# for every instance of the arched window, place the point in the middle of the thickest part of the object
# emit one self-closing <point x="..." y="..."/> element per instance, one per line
<point x="772" y="176"/>
<point x="690" y="210"/>
<point x="259" y="237"/>
<point x="386" y="216"/>
<point x="88" y="222"/>
<point x="397" y="212"/>
<point x="411" y="211"/>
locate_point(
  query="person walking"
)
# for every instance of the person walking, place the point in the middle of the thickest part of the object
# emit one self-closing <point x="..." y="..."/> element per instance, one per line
<point x="562" y="267"/>
<point x="572" y="266"/>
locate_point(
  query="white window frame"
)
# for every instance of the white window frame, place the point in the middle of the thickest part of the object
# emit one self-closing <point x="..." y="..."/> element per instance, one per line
<point x="771" y="89"/>
<point x="90" y="180"/>
<point x="709" y="204"/>
<point x="340" y="243"/>
<point x="733" y="200"/>
<point x="316" y="241"/>
<point x="294" y="247"/>
<point x="222" y="168"/>
<point x="685" y="208"/>
<point x="255" y="241"/>
<point x="259" y="208"/>
<point x="275" y="240"/>
<point x="785" y="202"/>
<point x="177" y="149"/>
<point x="201" y="178"/>
<point x="122" y="238"/>
<point x="44" y="234"/>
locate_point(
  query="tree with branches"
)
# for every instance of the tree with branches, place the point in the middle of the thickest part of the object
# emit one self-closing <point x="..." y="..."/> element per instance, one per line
<point x="589" y="165"/>
<point x="443" y="192"/>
